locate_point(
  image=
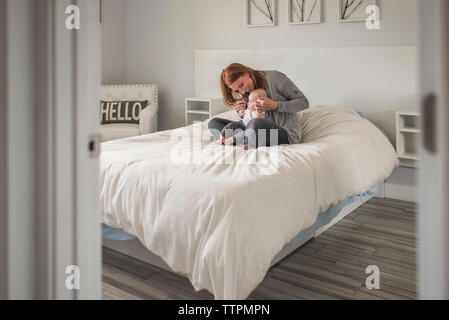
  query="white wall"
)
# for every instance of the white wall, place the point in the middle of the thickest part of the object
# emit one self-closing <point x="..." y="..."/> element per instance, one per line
<point x="146" y="41"/>
<point x="160" y="49"/>
<point x="113" y="29"/>
<point x="220" y="24"/>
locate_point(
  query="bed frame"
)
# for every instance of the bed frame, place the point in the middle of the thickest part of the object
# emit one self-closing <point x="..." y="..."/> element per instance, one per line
<point x="134" y="248"/>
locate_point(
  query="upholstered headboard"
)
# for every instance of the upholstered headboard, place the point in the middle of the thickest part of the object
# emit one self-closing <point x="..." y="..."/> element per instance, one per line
<point x="377" y="80"/>
<point x="135" y="92"/>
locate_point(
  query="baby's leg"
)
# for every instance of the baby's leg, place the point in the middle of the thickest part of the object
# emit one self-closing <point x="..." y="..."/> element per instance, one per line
<point x="233" y="129"/>
<point x="216" y="126"/>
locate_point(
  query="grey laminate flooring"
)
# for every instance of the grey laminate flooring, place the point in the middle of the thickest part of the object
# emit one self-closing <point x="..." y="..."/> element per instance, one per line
<point x="380" y="233"/>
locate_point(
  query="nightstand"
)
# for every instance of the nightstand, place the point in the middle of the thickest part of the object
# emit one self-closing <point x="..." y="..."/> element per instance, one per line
<point x="200" y="109"/>
<point x="407" y="135"/>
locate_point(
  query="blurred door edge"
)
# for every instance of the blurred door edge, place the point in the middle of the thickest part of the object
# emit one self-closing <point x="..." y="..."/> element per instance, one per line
<point x="433" y="176"/>
<point x="49" y="212"/>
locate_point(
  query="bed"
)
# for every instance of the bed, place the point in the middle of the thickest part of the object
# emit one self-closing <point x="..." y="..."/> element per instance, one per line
<point x="223" y="216"/>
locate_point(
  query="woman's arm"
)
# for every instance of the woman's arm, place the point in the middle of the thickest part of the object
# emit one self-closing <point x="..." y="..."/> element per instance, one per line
<point x="296" y="100"/>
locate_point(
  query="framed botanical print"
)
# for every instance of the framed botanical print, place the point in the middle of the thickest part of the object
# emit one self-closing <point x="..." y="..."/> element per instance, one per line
<point x="260" y="13"/>
<point x="304" y="11"/>
<point x="353" y="10"/>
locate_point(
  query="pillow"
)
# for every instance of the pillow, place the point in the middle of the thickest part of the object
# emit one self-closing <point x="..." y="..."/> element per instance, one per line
<point x="121" y="111"/>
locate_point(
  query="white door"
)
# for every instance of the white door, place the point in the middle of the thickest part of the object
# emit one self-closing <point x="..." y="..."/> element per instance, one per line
<point x="50" y="236"/>
<point x="433" y="231"/>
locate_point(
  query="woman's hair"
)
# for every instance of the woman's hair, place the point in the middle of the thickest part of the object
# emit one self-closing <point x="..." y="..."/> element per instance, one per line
<point x="232" y="73"/>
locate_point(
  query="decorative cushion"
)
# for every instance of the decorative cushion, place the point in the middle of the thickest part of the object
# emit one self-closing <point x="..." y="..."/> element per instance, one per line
<point x="118" y="131"/>
<point x="112" y="112"/>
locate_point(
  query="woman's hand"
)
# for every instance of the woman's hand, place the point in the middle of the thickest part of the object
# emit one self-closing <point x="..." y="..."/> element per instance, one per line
<point x="240" y="106"/>
<point x="266" y="104"/>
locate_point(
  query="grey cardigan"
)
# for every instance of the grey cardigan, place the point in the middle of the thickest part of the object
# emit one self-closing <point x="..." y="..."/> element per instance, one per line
<point x="291" y="100"/>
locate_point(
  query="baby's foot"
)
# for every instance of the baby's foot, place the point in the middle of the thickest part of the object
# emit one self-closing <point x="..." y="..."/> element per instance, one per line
<point x="229" y="141"/>
<point x="220" y="141"/>
<point x="247" y="147"/>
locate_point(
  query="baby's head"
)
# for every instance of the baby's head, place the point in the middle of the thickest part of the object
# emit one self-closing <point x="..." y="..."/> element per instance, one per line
<point x="255" y="94"/>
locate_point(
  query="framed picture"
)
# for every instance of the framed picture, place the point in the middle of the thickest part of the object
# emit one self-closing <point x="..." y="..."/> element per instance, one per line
<point x="304" y="11"/>
<point x="353" y="10"/>
<point x="260" y="13"/>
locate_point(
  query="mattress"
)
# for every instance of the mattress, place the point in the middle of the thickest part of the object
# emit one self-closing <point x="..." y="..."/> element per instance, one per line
<point x="220" y="214"/>
<point x="322" y="220"/>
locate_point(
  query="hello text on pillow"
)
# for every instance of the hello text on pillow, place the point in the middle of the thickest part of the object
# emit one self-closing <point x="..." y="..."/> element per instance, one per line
<point x="121" y="111"/>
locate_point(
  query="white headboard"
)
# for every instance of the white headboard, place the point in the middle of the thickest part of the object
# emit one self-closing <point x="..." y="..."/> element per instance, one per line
<point x="376" y="80"/>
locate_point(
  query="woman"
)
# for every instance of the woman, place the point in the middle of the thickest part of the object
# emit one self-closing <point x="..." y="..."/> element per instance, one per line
<point x="283" y="102"/>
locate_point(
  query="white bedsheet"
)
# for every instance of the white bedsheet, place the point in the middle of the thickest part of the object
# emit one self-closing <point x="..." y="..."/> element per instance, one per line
<point x="222" y="224"/>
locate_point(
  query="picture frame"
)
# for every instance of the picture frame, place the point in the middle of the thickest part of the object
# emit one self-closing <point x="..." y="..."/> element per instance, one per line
<point x="304" y="12"/>
<point x="261" y="13"/>
<point x="353" y="10"/>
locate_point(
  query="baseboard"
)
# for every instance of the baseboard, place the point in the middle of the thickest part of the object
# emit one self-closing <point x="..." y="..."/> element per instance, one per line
<point x="381" y="192"/>
<point x="402" y="184"/>
<point x="401" y="192"/>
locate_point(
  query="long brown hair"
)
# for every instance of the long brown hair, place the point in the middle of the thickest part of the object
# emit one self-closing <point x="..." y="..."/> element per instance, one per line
<point x="232" y="73"/>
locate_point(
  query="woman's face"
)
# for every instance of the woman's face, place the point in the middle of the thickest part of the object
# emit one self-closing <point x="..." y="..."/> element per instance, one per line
<point x="243" y="85"/>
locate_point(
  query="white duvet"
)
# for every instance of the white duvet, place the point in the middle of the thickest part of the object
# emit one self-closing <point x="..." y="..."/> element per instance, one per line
<point x="219" y="216"/>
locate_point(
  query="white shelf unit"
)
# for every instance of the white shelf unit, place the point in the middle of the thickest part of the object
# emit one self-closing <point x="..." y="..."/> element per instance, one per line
<point x="200" y="109"/>
<point x="407" y="134"/>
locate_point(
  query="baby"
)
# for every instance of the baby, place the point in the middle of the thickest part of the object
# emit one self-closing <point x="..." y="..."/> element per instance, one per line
<point x="251" y="112"/>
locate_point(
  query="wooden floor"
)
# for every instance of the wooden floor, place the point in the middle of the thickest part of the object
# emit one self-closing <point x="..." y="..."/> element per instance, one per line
<point x="381" y="233"/>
